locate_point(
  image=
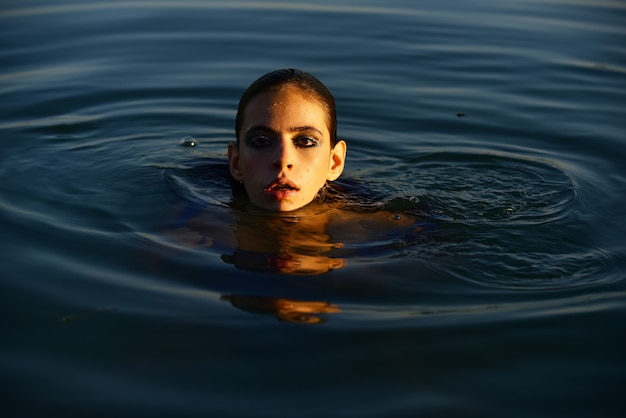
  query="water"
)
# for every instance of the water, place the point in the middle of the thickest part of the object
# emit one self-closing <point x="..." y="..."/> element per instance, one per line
<point x="504" y="119"/>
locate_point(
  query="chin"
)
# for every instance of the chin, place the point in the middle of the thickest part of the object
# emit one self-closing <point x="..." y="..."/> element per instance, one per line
<point x="281" y="207"/>
<point x="276" y="206"/>
<point x="284" y="206"/>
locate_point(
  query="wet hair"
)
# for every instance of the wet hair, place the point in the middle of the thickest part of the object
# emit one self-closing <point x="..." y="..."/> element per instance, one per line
<point x="303" y="81"/>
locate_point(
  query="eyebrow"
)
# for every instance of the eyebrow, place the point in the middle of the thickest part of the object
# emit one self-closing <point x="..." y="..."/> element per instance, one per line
<point x="263" y="128"/>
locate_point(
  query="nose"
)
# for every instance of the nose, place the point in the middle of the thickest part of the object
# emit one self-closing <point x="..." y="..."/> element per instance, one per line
<point x="283" y="158"/>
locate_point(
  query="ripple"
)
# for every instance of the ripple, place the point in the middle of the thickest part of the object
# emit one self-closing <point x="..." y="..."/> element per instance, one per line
<point x="497" y="189"/>
<point x="505" y="221"/>
<point x="255" y="5"/>
<point x="200" y="182"/>
<point x="498" y="267"/>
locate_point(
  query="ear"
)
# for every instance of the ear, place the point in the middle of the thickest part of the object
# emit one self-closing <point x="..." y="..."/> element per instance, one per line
<point x="233" y="161"/>
<point x="337" y="160"/>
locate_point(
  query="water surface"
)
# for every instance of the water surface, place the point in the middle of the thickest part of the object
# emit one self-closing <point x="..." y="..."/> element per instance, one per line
<point x="498" y="125"/>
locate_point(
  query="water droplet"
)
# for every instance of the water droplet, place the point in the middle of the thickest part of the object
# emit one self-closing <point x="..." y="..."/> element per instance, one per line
<point x="188" y="141"/>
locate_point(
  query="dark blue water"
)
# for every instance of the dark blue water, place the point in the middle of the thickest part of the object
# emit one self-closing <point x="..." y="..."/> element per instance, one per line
<point x="500" y="124"/>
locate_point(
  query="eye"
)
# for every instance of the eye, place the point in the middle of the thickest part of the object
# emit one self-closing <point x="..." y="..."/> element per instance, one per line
<point x="258" y="141"/>
<point x="306" y="142"/>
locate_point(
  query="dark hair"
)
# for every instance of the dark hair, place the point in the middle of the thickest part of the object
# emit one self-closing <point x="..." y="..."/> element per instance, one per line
<point x="302" y="80"/>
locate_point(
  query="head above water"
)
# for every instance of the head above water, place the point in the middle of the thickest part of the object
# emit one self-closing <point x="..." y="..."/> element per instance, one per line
<point x="287" y="146"/>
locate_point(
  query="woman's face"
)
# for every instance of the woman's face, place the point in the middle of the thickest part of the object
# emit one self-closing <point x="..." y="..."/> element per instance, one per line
<point x="284" y="155"/>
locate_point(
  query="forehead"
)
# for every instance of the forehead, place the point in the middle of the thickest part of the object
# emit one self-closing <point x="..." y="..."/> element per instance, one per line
<point x="286" y="105"/>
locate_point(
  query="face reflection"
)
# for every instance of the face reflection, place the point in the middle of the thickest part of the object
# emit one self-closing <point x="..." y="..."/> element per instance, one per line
<point x="284" y="156"/>
<point x="288" y="310"/>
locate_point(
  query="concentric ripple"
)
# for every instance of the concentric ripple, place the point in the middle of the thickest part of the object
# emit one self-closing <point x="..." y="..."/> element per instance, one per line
<point x="505" y="221"/>
<point x="491" y="189"/>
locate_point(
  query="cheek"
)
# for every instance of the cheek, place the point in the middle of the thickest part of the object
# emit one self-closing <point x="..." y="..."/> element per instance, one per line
<point x="249" y="163"/>
<point x="322" y="162"/>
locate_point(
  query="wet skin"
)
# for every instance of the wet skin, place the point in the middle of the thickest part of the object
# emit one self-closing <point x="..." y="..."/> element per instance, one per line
<point x="284" y="154"/>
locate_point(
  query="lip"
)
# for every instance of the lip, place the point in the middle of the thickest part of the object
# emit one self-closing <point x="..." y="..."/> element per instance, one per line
<point x="281" y="188"/>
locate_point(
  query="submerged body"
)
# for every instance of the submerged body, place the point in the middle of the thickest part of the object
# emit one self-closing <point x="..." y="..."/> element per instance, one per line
<point x="283" y="217"/>
<point x="313" y="240"/>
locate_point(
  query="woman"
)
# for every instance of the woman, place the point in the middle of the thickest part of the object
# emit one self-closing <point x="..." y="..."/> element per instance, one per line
<point x="290" y="221"/>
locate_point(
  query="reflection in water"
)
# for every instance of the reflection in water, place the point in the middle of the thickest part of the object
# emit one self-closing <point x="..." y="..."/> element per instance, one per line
<point x="287" y="263"/>
<point x="313" y="240"/>
<point x="287" y="310"/>
<point x="297" y="244"/>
